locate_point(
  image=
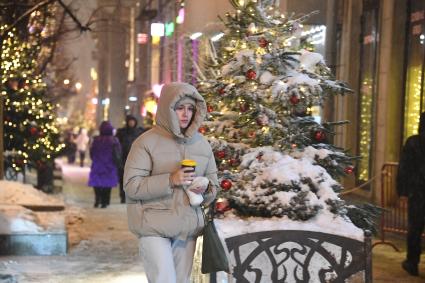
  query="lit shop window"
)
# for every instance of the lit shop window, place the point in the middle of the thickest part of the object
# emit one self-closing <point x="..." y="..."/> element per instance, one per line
<point x="367" y="88"/>
<point x="414" y="102"/>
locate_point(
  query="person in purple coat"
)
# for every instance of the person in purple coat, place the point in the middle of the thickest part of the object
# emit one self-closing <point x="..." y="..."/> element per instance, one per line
<point x="104" y="169"/>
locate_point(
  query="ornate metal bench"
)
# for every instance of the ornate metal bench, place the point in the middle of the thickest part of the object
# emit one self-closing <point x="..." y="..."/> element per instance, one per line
<point x="299" y="256"/>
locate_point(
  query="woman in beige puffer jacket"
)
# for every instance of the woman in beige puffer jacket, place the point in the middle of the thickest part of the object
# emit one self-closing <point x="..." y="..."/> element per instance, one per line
<point x="158" y="209"/>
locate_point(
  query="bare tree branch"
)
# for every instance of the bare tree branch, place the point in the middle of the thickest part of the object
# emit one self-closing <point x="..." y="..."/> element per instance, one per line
<point x="40" y="5"/>
<point x="54" y="40"/>
<point x="34" y="8"/>
<point x="73" y="17"/>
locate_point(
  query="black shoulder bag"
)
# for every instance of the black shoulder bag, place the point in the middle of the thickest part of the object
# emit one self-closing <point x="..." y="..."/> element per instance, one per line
<point x="214" y="257"/>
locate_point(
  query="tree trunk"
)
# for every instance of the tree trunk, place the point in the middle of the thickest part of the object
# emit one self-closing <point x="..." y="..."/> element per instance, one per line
<point x="45" y="177"/>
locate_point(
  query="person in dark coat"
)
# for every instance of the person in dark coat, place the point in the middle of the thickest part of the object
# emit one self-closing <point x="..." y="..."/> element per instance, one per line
<point x="104" y="170"/>
<point x="126" y="136"/>
<point x="411" y="183"/>
<point x="70" y="147"/>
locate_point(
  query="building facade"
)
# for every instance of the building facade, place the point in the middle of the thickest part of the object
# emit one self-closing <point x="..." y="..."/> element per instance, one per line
<point x="114" y="34"/>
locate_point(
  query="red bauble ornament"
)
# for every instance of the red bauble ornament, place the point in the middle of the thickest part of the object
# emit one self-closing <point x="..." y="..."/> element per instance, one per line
<point x="262" y="42"/>
<point x="234" y="162"/>
<point x="260" y="156"/>
<point x="222" y="90"/>
<point x="243" y="107"/>
<point x="294" y="99"/>
<point x="13" y="83"/>
<point x="220" y="154"/>
<point x="210" y="109"/>
<point x="226" y="184"/>
<point x="19" y="162"/>
<point x="251" y="74"/>
<point x="319" y="136"/>
<point x="202" y="130"/>
<point x="33" y="131"/>
<point x="252" y="134"/>
<point x="349" y="170"/>
<point x="222" y="205"/>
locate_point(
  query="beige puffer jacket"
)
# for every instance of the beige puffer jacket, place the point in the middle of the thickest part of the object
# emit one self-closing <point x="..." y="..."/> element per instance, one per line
<point x="154" y="207"/>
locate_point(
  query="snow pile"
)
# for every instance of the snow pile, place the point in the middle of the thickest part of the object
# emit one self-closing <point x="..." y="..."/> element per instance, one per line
<point x="23" y="194"/>
<point x="15" y="218"/>
<point x="309" y="60"/>
<point x="294" y="191"/>
<point x="280" y="174"/>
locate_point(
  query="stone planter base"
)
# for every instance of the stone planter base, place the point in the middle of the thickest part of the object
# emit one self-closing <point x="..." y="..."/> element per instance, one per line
<point x="34" y="244"/>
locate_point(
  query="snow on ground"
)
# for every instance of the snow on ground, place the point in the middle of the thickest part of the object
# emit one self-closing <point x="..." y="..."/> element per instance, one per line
<point x="24" y="194"/>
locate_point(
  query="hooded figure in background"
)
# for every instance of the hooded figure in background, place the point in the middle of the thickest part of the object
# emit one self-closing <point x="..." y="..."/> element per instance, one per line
<point x="104" y="170"/>
<point x="126" y="136"/>
<point x="158" y="208"/>
<point x="411" y="183"/>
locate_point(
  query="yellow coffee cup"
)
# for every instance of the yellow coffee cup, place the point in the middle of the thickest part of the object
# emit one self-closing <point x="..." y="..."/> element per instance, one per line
<point x="188" y="163"/>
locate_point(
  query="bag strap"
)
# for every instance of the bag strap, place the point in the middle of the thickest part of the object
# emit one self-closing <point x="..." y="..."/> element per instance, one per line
<point x="208" y="212"/>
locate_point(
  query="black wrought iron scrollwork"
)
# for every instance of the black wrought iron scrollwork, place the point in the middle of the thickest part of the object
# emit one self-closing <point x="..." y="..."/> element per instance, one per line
<point x="293" y="256"/>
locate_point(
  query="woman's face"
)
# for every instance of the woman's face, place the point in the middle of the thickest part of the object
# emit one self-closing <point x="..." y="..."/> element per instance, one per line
<point x="185" y="114"/>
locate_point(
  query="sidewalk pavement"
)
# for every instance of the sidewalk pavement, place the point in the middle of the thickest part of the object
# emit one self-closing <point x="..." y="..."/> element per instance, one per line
<point x="386" y="262"/>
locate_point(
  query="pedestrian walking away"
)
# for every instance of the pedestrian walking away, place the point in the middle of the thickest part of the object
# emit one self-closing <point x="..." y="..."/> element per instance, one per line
<point x="158" y="208"/>
<point x="104" y="168"/>
<point x="82" y="142"/>
<point x="127" y="135"/>
<point x="70" y="146"/>
<point x="411" y="184"/>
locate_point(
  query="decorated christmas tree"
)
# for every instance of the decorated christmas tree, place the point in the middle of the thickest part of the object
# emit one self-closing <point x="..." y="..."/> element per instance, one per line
<point x="30" y="135"/>
<point x="262" y="87"/>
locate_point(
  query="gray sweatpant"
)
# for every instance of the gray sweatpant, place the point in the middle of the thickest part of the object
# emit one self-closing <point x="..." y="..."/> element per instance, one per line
<point x="167" y="260"/>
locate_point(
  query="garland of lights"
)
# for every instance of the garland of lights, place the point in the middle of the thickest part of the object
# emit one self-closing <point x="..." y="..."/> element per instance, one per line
<point x="413" y="102"/>
<point x="366" y="101"/>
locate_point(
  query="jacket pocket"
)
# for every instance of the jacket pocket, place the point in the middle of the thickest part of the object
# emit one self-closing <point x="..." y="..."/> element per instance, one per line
<point x="161" y="222"/>
<point x="135" y="215"/>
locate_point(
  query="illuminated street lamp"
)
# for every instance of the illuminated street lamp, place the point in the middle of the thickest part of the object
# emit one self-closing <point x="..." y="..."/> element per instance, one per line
<point x="78" y="86"/>
<point x="66" y="82"/>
